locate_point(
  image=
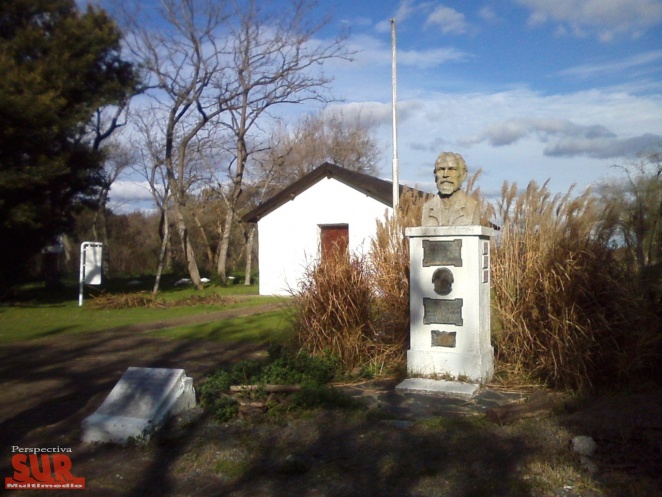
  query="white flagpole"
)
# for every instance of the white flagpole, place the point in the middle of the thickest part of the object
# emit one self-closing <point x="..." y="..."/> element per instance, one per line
<point x="396" y="181"/>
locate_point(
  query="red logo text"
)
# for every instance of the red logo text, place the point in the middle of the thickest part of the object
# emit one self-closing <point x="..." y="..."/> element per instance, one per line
<point x="43" y="471"/>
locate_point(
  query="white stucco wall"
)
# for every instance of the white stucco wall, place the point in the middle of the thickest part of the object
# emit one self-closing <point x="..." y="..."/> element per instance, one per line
<point x="289" y="237"/>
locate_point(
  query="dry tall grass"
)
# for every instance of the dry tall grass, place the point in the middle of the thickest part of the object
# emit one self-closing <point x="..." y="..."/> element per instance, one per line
<point x="569" y="313"/>
<point x="333" y="309"/>
<point x="357" y="308"/>
<point x="389" y="269"/>
<point x="567" y="310"/>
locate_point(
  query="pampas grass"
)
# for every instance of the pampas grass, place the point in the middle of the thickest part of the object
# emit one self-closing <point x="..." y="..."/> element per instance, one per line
<point x="357" y="307"/>
<point x="568" y="312"/>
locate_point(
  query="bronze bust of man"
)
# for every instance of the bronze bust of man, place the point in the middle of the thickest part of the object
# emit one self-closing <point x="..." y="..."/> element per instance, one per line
<point x="451" y="207"/>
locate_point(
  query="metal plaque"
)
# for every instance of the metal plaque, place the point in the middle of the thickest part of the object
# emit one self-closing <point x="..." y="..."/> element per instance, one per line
<point x="442" y="253"/>
<point x="438" y="311"/>
<point x="443" y="338"/>
<point x="443" y="280"/>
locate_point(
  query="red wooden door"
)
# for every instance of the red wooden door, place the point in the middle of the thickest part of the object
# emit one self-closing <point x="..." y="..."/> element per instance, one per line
<point x="334" y="237"/>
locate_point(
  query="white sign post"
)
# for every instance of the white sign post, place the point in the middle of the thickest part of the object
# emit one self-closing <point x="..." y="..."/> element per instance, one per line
<point x="90" y="266"/>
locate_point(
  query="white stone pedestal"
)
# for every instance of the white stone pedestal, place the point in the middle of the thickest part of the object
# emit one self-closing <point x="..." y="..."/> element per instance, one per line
<point x="450" y="303"/>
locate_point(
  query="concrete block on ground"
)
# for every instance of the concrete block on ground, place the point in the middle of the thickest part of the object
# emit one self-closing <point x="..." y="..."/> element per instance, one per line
<point x="139" y="404"/>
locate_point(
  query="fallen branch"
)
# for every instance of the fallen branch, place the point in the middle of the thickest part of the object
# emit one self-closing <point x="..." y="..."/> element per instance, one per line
<point x="266" y="388"/>
<point x="252" y="404"/>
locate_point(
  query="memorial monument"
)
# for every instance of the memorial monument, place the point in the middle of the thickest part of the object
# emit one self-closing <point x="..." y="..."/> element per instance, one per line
<point x="450" y="349"/>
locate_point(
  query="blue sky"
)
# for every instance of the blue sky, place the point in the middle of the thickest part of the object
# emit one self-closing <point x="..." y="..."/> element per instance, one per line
<point x="524" y="89"/>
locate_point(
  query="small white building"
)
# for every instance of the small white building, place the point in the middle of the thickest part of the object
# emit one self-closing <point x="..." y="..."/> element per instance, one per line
<point x="330" y="205"/>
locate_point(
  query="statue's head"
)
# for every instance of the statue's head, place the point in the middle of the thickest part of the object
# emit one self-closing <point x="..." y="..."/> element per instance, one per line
<point x="450" y="171"/>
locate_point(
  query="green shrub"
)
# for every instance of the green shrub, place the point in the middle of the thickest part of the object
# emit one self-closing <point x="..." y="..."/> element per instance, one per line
<point x="322" y="397"/>
<point x="282" y="367"/>
<point x="224" y="408"/>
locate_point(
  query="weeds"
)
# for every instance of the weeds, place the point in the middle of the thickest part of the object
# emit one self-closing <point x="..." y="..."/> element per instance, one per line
<point x="282" y="367"/>
<point x="149" y="301"/>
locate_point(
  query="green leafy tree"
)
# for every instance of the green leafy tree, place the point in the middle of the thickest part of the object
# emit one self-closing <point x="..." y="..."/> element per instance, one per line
<point x="633" y="213"/>
<point x="58" y="66"/>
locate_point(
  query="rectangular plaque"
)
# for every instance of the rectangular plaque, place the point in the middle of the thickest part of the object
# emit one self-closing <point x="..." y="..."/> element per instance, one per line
<point x="486" y="276"/>
<point x="443" y="338"/>
<point x="438" y="311"/>
<point x="486" y="261"/>
<point x="486" y="248"/>
<point x="442" y="253"/>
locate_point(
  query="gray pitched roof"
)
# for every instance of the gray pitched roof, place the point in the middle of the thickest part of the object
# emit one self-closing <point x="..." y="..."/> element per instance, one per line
<point x="376" y="188"/>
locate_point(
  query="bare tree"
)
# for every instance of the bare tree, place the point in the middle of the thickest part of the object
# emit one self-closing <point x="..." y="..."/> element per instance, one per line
<point x="216" y="69"/>
<point x="292" y="153"/>
<point x="326" y="136"/>
<point x="275" y="60"/>
<point x="183" y="57"/>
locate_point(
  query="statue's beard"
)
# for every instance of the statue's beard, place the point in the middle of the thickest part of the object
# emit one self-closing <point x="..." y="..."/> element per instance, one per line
<point x="447" y="188"/>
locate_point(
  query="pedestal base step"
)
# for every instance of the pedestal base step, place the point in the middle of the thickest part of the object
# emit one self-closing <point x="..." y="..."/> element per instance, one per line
<point x="442" y="387"/>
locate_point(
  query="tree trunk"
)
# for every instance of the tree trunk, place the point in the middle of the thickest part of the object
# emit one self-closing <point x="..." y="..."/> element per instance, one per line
<point x="208" y="249"/>
<point x="101" y="219"/>
<point x="242" y="156"/>
<point x="162" y="253"/>
<point x="249" y="254"/>
<point x="224" y="245"/>
<point x="189" y="253"/>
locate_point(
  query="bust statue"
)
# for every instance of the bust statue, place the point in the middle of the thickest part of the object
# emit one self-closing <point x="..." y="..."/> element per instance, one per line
<point x="451" y="207"/>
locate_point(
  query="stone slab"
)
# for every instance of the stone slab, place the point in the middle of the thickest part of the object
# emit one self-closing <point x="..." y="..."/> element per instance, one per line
<point x="139" y="404"/>
<point x="439" y="387"/>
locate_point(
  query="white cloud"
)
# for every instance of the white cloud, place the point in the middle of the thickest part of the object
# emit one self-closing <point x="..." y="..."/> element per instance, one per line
<point x="488" y="14"/>
<point x="430" y="58"/>
<point x="564" y="138"/>
<point x="604" y="19"/>
<point x="406" y="9"/>
<point x="378" y="113"/>
<point x="127" y="190"/>
<point x="128" y="196"/>
<point x="371" y="51"/>
<point x="619" y="66"/>
<point x="521" y="135"/>
<point x="604" y="148"/>
<point x="450" y="21"/>
<point x="512" y="130"/>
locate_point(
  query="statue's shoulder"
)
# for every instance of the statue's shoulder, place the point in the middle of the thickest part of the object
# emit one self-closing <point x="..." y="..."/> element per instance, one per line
<point x="432" y="201"/>
<point x="462" y="199"/>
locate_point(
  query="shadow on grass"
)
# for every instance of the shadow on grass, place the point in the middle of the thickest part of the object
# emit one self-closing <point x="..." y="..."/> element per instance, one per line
<point x="50" y="385"/>
<point x="271" y="326"/>
<point x="336" y="454"/>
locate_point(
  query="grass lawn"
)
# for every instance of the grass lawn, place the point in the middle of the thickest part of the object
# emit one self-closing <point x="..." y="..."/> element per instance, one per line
<point x="265" y="327"/>
<point x="36" y="314"/>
